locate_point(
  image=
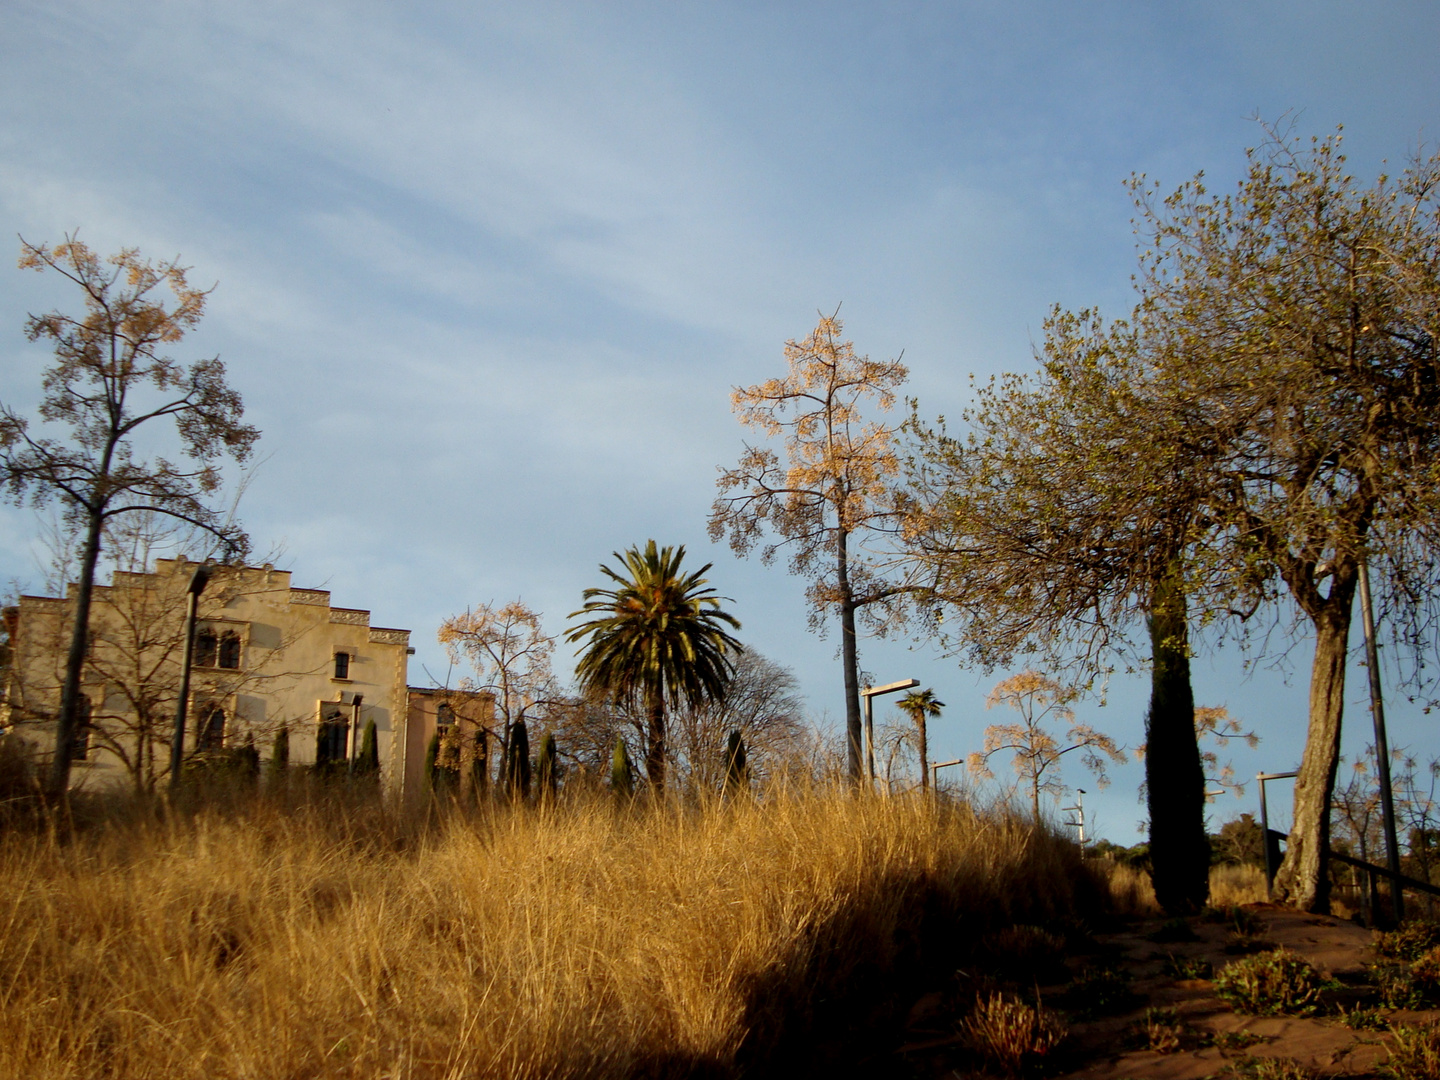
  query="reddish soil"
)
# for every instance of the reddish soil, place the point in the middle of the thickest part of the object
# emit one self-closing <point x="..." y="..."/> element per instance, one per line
<point x="1214" y="1041"/>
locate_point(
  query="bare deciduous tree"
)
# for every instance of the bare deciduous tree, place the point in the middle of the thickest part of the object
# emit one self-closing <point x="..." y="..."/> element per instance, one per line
<point x="109" y="380"/>
<point x="1041" y="702"/>
<point x="835" y="485"/>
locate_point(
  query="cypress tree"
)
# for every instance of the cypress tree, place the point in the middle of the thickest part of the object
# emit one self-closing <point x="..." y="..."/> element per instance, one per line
<point x="737" y="771"/>
<point x="517" y="767"/>
<point x="622" y="776"/>
<point x="367" y="765"/>
<point x="480" y="765"/>
<point x="548" y="769"/>
<point x="432" y="761"/>
<point x="279" y="764"/>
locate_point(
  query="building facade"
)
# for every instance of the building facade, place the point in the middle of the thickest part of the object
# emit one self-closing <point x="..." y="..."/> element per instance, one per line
<point x="267" y="655"/>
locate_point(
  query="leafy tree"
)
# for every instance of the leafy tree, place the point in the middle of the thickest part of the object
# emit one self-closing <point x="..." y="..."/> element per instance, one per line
<point x="1069" y="515"/>
<point x="1040" y="701"/>
<point x="920" y="705"/>
<point x="1239" y="841"/>
<point x="834" y="487"/>
<point x="656" y="640"/>
<point x="110" y="380"/>
<point x="1294" y="324"/>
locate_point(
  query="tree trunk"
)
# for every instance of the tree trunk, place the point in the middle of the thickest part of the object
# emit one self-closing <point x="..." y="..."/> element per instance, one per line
<point x="1174" y="774"/>
<point x="850" y="660"/>
<point x="924" y="760"/>
<point x="1304" y="880"/>
<point x="655" y="745"/>
<point x="58" y="786"/>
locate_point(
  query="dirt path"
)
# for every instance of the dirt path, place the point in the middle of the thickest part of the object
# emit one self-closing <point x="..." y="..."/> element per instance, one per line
<point x="1203" y="1036"/>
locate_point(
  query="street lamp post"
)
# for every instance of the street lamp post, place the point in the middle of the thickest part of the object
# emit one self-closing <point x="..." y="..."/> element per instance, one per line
<point x="198" y="581"/>
<point x="867" y="693"/>
<point x="1382" y="745"/>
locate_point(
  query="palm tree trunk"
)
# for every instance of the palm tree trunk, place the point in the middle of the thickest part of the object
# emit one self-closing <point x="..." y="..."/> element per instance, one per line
<point x="924" y="761"/>
<point x="1174" y="774"/>
<point x="655" y="744"/>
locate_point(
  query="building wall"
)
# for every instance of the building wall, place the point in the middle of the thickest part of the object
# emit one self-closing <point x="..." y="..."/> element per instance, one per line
<point x="473" y="710"/>
<point x="286" y="673"/>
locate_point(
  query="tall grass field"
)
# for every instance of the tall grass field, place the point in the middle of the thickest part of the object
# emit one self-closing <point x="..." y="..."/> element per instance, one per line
<point x="327" y="939"/>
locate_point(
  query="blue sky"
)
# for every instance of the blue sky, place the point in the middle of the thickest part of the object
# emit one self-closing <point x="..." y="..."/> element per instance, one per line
<point x="486" y="274"/>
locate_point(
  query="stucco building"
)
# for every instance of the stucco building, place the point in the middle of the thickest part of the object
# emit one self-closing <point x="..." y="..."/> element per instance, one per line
<point x="267" y="655"/>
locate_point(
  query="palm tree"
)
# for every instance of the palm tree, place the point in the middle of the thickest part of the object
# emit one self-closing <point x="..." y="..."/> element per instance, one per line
<point x="921" y="704"/>
<point x="654" y="639"/>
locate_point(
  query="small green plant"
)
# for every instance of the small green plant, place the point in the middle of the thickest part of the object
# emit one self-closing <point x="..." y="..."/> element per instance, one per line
<point x="1414" y="1053"/>
<point x="1395" y="985"/>
<point x="1257" y="1068"/>
<point x="1409" y="941"/>
<point x="1026" y="953"/>
<point x="1172" y="930"/>
<point x="1100" y="991"/>
<point x="1425" y="974"/>
<point x="1237" y="1040"/>
<point x="1012" y="1035"/>
<point x="1362" y="1019"/>
<point x="1269" y="983"/>
<point x="1241" y="922"/>
<point x="1188" y="967"/>
<point x="1163" y="1031"/>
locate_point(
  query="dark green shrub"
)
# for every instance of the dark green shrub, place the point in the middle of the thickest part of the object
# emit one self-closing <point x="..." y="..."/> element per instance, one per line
<point x="1409" y="940"/>
<point x="1270" y="983"/>
<point x="1414" y="1053"/>
<point x="1100" y="991"/>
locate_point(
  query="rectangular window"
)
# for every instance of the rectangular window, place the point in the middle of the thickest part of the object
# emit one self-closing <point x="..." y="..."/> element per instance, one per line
<point x="342" y="665"/>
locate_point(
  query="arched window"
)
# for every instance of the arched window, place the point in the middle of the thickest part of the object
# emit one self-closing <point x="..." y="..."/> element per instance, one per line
<point x="444" y="717"/>
<point x="211" y="733"/>
<point x="230" y="649"/>
<point x="330" y="737"/>
<point x="205" y="647"/>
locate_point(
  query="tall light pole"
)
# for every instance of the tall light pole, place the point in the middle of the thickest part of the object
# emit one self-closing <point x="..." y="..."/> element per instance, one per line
<point x="1382" y="744"/>
<point x="868" y="692"/>
<point x="198" y="581"/>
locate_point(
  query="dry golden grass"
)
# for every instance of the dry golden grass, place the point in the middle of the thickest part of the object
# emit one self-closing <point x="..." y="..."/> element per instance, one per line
<point x="1131" y="893"/>
<point x="338" y="941"/>
<point x="1235" y="884"/>
<point x="1127" y="888"/>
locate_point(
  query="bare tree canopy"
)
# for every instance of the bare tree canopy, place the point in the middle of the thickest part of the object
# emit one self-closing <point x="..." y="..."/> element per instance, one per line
<point x="111" y="378"/>
<point x="836" y="484"/>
